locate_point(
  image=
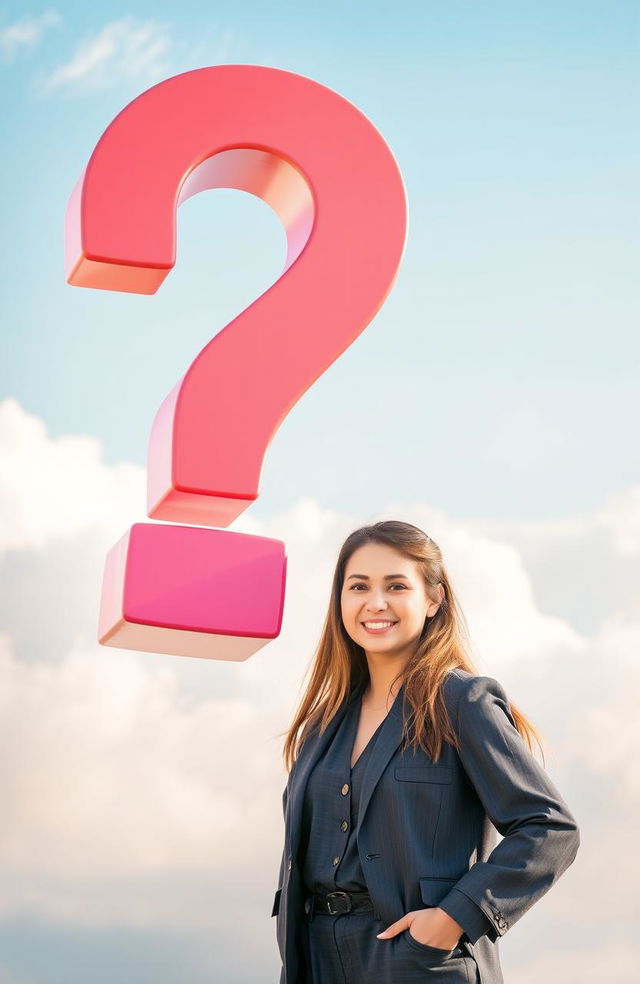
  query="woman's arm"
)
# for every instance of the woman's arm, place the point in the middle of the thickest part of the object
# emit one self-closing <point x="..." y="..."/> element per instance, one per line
<point x="540" y="835"/>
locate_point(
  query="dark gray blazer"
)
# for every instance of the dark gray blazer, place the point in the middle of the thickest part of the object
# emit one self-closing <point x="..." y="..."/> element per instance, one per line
<point x="437" y="845"/>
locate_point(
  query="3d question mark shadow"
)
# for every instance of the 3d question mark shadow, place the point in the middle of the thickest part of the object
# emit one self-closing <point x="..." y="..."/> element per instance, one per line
<point x="333" y="181"/>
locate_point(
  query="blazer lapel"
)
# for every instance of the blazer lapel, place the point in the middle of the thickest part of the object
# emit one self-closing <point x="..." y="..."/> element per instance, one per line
<point x="311" y="752"/>
<point x="386" y="744"/>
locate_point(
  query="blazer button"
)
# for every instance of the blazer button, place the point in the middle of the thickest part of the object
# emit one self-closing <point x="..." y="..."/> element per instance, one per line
<point x="344" y="824"/>
<point x="345" y="789"/>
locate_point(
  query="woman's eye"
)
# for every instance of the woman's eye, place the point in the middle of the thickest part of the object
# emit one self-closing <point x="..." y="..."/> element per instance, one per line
<point x="397" y="585"/>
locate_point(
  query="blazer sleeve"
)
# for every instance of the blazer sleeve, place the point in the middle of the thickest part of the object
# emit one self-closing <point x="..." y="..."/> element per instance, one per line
<point x="540" y="835"/>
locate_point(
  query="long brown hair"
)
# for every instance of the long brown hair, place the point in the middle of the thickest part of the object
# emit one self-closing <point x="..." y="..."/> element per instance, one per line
<point x="340" y="664"/>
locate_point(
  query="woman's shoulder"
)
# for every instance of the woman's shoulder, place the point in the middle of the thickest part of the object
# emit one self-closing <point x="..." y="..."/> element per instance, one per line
<point x="462" y="686"/>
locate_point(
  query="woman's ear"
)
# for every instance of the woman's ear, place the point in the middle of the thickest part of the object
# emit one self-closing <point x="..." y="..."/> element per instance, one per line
<point x="440" y="593"/>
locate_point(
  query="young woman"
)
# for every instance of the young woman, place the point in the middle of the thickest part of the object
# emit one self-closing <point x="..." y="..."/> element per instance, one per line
<point x="406" y="763"/>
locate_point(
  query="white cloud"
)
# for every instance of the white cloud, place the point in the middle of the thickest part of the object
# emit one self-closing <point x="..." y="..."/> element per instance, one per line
<point x="142" y="52"/>
<point x="136" y="786"/>
<point x="123" y="50"/>
<point x="57" y="487"/>
<point x="620" y="519"/>
<point x="112" y="766"/>
<point x="25" y="34"/>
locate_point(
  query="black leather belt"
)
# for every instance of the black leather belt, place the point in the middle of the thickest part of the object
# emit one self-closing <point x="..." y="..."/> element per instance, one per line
<point x="335" y="903"/>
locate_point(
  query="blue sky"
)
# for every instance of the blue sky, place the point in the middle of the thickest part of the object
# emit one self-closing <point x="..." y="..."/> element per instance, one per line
<point x="492" y="401"/>
<point x="509" y="338"/>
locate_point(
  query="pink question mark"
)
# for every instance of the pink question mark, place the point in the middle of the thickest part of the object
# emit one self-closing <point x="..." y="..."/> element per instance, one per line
<point x="331" y="178"/>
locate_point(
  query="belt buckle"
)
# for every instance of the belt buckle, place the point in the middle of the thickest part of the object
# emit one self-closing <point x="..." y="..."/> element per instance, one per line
<point x="336" y="912"/>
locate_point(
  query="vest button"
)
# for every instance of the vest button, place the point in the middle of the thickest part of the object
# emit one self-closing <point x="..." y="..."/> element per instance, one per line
<point x="345" y="789"/>
<point x="344" y="824"/>
<point x="336" y="860"/>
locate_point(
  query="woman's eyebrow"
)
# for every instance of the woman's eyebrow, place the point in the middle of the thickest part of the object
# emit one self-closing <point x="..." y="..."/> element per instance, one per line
<point x="387" y="577"/>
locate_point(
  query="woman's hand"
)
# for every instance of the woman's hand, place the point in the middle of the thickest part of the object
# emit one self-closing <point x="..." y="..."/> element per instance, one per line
<point x="432" y="926"/>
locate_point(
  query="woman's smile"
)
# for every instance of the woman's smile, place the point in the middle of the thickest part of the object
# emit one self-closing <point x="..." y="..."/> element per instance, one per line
<point x="377" y="627"/>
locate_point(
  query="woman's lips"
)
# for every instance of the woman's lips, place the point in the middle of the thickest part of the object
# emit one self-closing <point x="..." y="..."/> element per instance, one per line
<point x="382" y="631"/>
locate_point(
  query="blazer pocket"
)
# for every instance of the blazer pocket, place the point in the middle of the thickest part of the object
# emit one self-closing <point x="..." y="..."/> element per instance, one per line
<point x="276" y="903"/>
<point x="423" y="773"/>
<point x="433" y="890"/>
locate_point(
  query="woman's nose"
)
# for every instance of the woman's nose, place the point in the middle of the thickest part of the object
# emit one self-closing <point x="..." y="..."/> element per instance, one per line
<point x="376" y="604"/>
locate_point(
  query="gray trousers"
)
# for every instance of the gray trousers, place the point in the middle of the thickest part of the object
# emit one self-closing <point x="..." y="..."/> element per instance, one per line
<point x="343" y="949"/>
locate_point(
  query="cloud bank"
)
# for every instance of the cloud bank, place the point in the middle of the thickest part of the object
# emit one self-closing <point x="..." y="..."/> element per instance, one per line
<point x="145" y="790"/>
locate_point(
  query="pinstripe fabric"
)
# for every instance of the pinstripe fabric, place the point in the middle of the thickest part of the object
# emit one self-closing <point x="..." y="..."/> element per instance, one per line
<point x="426" y="832"/>
<point x="332" y="794"/>
<point x="343" y="950"/>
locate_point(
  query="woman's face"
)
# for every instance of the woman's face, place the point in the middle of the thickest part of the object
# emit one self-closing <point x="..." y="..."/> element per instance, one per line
<point x="381" y="584"/>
